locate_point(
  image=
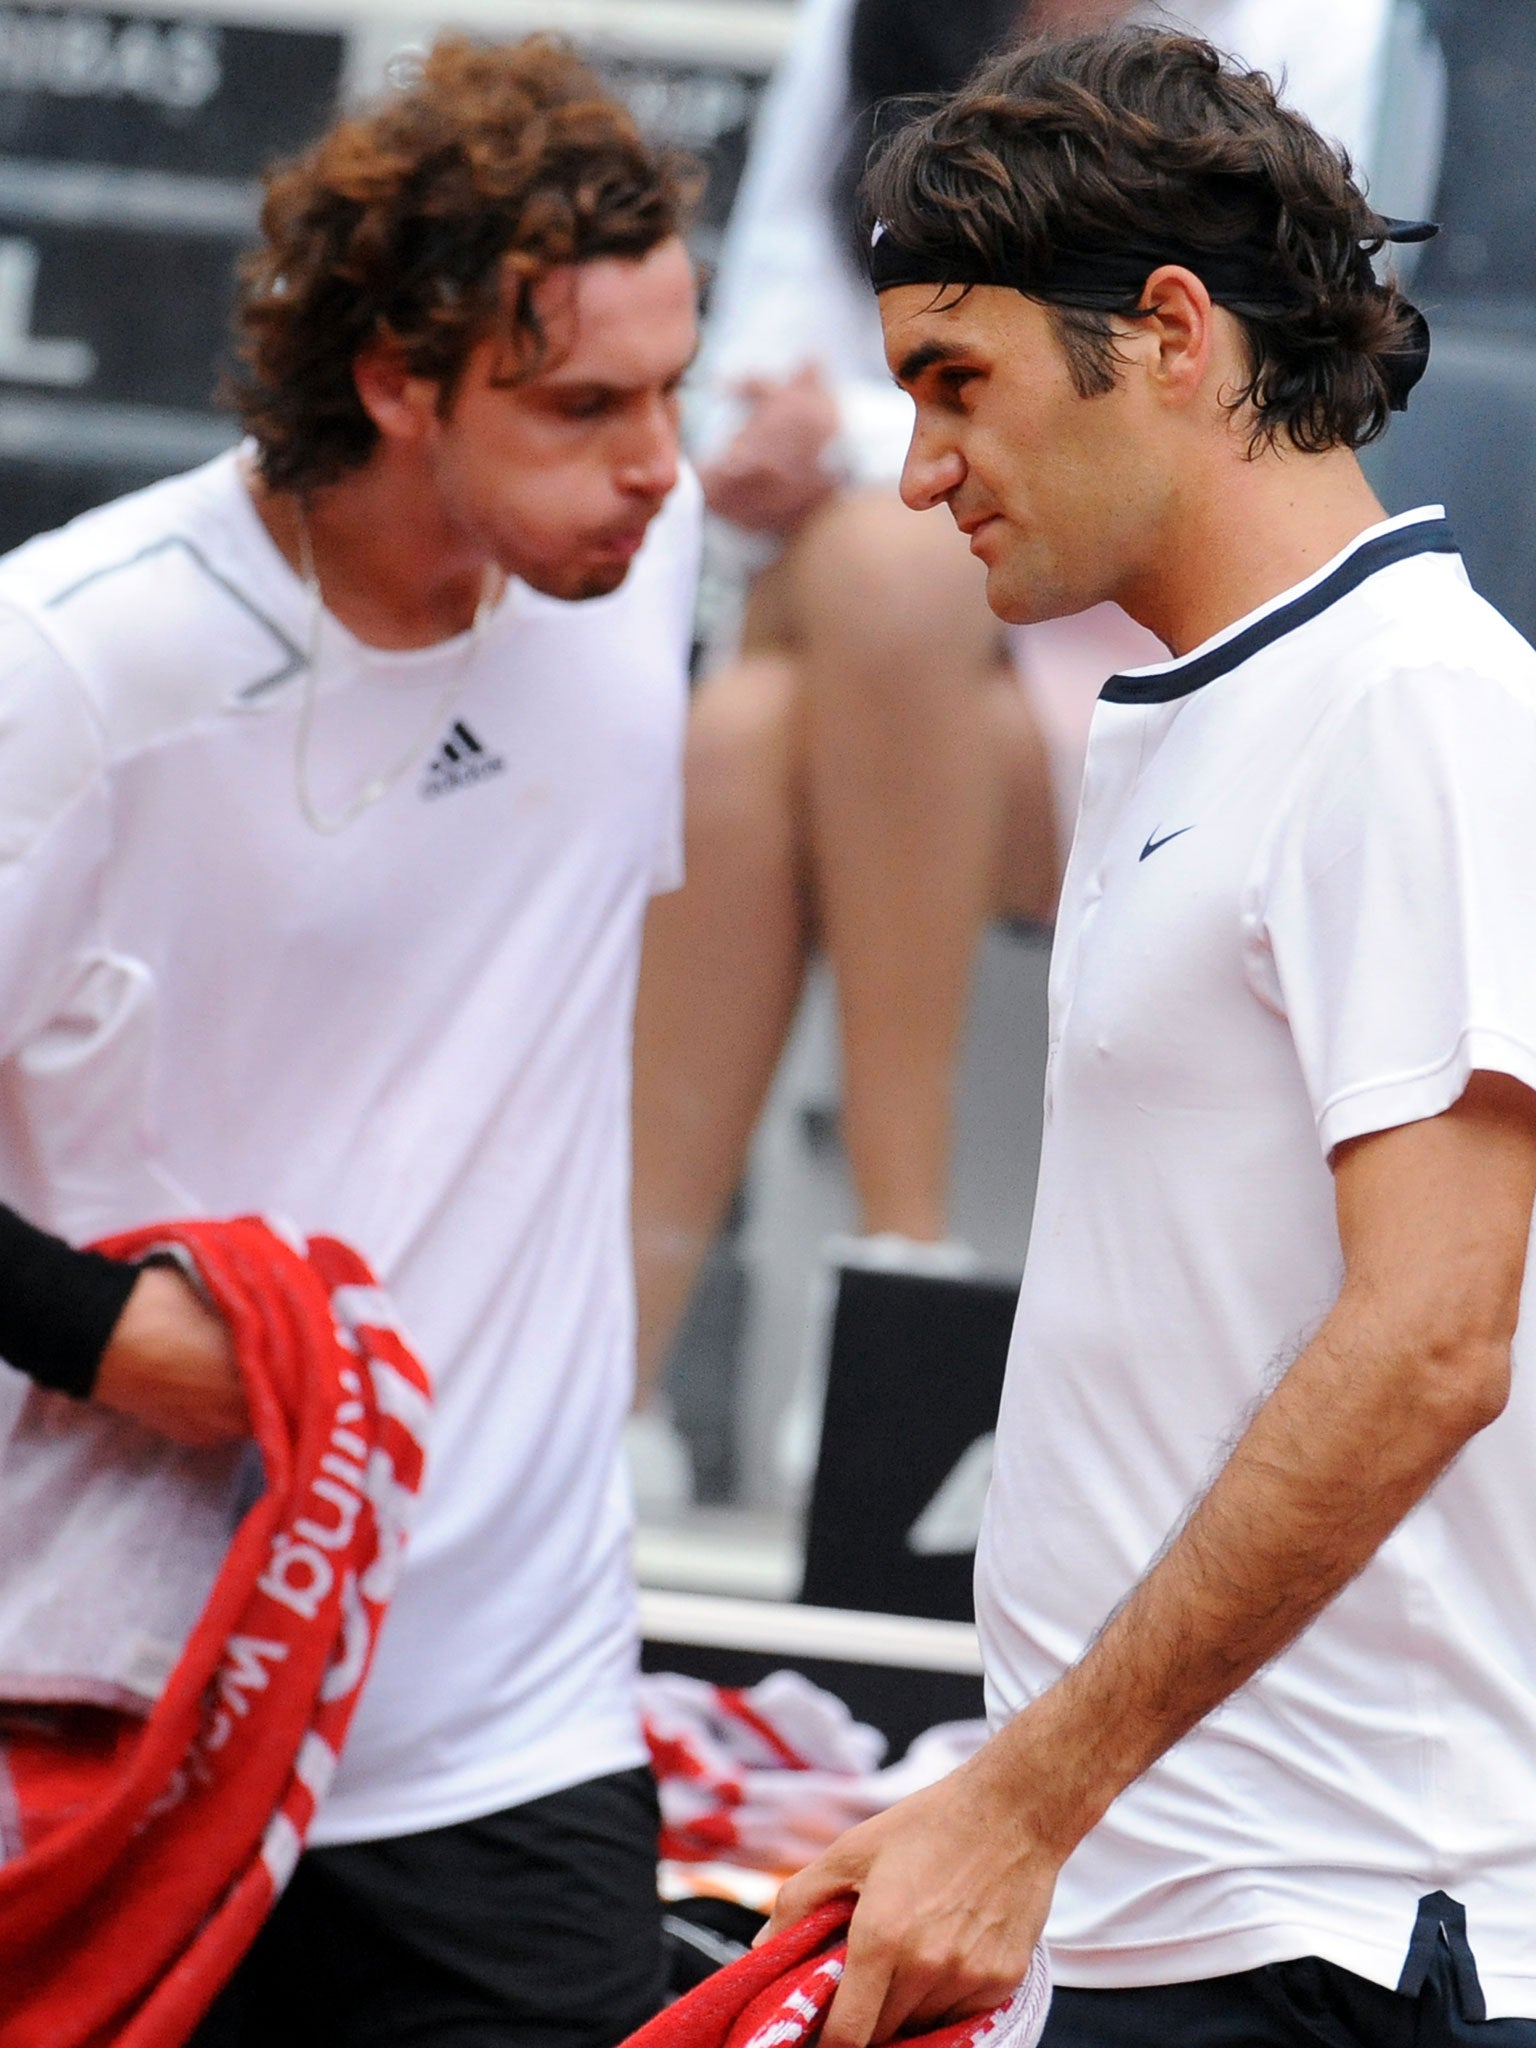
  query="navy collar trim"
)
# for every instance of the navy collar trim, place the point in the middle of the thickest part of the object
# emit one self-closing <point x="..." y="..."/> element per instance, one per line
<point x="1166" y="685"/>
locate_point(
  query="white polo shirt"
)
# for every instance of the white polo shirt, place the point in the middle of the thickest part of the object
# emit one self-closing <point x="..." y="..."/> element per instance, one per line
<point x="1301" y="906"/>
<point x="414" y="1034"/>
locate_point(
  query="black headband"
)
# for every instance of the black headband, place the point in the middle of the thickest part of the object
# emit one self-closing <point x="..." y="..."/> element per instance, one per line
<point x="1241" y="277"/>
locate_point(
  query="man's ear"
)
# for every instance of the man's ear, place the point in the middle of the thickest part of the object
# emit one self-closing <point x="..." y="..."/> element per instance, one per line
<point x="1178" y="316"/>
<point x="403" y="407"/>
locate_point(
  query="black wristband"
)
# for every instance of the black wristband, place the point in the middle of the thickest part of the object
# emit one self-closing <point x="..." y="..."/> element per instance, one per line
<point x="58" y="1306"/>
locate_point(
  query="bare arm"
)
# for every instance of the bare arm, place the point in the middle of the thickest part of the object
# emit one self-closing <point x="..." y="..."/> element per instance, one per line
<point x="772" y="475"/>
<point x="955" y="1883"/>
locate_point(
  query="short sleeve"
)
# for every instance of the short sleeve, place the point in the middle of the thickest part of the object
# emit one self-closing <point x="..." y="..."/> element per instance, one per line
<point x="669" y="872"/>
<point x="53" y="827"/>
<point x="1394" y="912"/>
<point x="685" y="519"/>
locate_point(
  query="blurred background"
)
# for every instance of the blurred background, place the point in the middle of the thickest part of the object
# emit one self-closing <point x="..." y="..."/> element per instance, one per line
<point x="820" y="1427"/>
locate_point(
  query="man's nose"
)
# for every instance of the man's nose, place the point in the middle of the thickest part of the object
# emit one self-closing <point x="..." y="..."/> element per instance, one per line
<point x="652" y="451"/>
<point x="930" y="474"/>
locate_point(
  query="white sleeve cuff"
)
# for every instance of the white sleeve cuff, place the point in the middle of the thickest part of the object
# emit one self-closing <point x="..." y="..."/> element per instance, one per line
<point x="1409" y="1098"/>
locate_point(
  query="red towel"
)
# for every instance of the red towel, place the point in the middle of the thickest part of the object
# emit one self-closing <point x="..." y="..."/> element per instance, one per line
<point x="154" y="1849"/>
<point x="768" y="1777"/>
<point x="777" y="1997"/>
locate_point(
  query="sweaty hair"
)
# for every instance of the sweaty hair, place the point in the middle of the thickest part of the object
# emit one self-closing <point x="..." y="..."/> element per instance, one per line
<point x="1139" y="136"/>
<point x="430" y="221"/>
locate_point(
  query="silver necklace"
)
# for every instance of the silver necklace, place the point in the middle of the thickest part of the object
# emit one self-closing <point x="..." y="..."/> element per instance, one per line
<point x="380" y="785"/>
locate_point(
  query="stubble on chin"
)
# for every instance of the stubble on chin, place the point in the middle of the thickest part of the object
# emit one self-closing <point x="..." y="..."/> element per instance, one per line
<point x="1025" y="592"/>
<point x="577" y="585"/>
<point x="600" y="582"/>
<point x="1015" y="600"/>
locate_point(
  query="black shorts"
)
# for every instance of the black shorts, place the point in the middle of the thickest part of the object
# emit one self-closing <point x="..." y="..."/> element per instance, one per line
<point x="537" y="1927"/>
<point x="1302" y="2004"/>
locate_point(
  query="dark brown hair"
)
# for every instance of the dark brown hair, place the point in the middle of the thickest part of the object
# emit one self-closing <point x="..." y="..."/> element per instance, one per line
<point x="1139" y="136"/>
<point x="431" y="220"/>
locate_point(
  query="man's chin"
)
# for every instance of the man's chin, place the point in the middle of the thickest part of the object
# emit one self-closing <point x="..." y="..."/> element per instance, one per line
<point x="1027" y="601"/>
<point x="598" y="582"/>
<point x="1006" y="601"/>
<point x="578" y="581"/>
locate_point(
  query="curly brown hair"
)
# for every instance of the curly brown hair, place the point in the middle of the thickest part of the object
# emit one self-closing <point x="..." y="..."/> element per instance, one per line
<point x="1143" y="138"/>
<point x="431" y="220"/>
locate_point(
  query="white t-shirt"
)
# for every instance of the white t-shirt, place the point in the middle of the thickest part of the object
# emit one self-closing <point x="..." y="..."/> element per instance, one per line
<point x="414" y="1034"/>
<point x="1301" y="906"/>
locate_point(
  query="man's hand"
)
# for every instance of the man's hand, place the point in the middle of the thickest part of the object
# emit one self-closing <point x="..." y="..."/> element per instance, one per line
<point x="773" y="475"/>
<point x="170" y="1364"/>
<point x="953" y="1889"/>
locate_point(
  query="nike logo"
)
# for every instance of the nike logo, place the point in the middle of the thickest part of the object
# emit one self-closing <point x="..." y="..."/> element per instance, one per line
<point x="1153" y="842"/>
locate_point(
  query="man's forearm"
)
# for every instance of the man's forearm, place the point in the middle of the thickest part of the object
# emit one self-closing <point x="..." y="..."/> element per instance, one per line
<point x="1349" y="1441"/>
<point x="136" y="1339"/>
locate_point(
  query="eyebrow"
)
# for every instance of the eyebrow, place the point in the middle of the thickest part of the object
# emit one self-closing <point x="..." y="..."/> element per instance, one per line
<point x="556" y="380"/>
<point x="912" y="366"/>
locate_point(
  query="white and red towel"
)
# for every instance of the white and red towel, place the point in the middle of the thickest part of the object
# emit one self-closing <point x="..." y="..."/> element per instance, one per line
<point x="147" y="1851"/>
<point x="768" y="1777"/>
<point x="777" y="1997"/>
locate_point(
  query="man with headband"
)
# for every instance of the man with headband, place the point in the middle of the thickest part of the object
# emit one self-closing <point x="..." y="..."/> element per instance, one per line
<point x="1257" y="1587"/>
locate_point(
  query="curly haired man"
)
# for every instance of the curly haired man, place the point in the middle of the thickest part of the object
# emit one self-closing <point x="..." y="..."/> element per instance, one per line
<point x="1257" y="1587"/>
<point x="337" y="777"/>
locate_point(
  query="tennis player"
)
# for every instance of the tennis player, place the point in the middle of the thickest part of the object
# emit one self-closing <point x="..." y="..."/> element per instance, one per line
<point x="1257" y="1588"/>
<point x="336" y="778"/>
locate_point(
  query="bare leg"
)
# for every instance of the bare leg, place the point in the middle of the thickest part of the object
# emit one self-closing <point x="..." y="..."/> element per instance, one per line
<point x="720" y="980"/>
<point x="869" y="762"/>
<point x="920" y="746"/>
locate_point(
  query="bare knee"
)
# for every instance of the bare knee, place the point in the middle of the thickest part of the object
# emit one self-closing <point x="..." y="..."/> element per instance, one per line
<point x="739" y="758"/>
<point x="901" y="587"/>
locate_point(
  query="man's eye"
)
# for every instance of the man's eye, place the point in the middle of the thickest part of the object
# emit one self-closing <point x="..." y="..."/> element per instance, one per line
<point x="586" y="406"/>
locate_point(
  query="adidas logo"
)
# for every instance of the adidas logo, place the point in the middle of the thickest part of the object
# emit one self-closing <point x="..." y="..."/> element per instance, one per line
<point x="460" y="761"/>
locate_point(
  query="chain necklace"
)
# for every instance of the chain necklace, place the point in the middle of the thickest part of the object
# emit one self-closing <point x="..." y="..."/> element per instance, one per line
<point x="380" y="785"/>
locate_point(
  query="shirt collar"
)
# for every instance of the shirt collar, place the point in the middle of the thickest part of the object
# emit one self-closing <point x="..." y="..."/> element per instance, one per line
<point x="1424" y="532"/>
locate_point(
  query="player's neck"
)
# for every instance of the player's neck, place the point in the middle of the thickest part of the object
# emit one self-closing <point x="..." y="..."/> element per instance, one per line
<point x="1244" y="534"/>
<point x="389" y="565"/>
